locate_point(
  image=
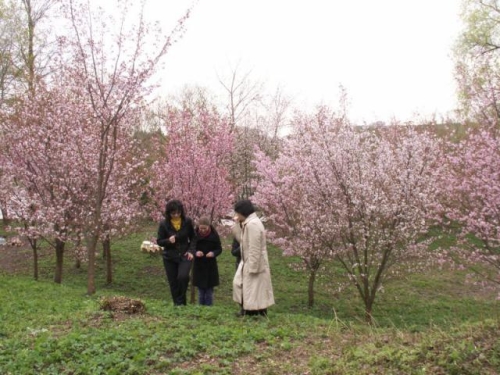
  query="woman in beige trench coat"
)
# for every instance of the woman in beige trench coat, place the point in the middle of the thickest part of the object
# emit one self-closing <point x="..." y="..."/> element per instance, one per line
<point x="252" y="287"/>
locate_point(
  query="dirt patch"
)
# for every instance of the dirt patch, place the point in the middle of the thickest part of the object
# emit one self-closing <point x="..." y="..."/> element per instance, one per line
<point x="121" y="307"/>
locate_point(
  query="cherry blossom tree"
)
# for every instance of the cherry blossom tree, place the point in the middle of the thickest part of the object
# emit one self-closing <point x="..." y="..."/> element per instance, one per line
<point x="43" y="165"/>
<point x="362" y="197"/>
<point x="52" y="176"/>
<point x="195" y="164"/>
<point x="79" y="128"/>
<point x="112" y="61"/>
<point x="25" y="43"/>
<point x="284" y="192"/>
<point x="474" y="196"/>
<point x="122" y="204"/>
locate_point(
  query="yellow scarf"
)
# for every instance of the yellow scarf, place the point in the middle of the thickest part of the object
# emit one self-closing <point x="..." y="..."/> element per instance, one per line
<point x="176" y="222"/>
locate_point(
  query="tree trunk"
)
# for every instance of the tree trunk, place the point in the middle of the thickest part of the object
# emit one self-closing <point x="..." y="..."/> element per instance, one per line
<point x="59" y="260"/>
<point x="91" y="248"/>
<point x="310" y="289"/>
<point x="106" y="249"/>
<point x="30" y="59"/>
<point x="34" y="246"/>
<point x="78" y="254"/>
<point x="370" y="298"/>
<point x="368" y="315"/>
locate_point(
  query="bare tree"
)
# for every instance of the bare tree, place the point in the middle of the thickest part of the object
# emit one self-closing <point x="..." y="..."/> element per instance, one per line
<point x="242" y="92"/>
<point x="35" y="11"/>
<point x="7" y="52"/>
<point x="277" y="109"/>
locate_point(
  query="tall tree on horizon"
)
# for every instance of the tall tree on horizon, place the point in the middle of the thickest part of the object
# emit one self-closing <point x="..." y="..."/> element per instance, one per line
<point x="477" y="55"/>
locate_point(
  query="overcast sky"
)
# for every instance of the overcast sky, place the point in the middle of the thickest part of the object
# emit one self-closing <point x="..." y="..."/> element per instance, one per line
<point x="392" y="56"/>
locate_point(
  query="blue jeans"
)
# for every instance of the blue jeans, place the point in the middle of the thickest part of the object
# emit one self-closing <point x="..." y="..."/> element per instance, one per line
<point x="206" y="296"/>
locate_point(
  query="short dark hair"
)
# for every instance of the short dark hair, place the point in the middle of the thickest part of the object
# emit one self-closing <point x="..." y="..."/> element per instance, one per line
<point x="244" y="207"/>
<point x="174" y="206"/>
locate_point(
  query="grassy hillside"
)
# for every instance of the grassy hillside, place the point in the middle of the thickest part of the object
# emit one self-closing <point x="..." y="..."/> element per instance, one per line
<point x="430" y="323"/>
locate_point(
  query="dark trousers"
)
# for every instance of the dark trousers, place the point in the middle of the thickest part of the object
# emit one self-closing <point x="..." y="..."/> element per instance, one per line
<point x="178" y="279"/>
<point x="206" y="296"/>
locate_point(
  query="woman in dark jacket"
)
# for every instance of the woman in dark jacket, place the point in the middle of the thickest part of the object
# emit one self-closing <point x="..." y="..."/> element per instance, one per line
<point x="175" y="235"/>
<point x="205" y="271"/>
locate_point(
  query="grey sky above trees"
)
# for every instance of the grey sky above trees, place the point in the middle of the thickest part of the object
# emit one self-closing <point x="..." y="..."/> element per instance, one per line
<point x="394" y="58"/>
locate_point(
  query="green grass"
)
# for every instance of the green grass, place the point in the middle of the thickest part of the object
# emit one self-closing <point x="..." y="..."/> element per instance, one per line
<point x="429" y="323"/>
